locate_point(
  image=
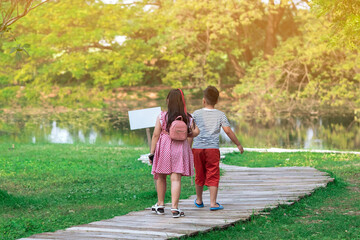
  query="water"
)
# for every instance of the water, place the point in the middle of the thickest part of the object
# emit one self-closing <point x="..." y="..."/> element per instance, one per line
<point x="112" y="128"/>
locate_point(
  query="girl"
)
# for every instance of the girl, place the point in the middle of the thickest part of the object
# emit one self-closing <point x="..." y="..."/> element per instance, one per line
<point x="171" y="157"/>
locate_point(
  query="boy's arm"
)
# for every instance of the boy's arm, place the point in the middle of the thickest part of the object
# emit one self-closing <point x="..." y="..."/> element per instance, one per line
<point x="233" y="138"/>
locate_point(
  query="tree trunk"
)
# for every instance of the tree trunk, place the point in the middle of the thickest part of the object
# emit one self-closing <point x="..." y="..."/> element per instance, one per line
<point x="274" y="18"/>
<point x="239" y="71"/>
<point x="242" y="33"/>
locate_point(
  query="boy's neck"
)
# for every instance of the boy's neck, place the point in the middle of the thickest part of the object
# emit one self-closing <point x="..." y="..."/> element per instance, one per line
<point x="209" y="106"/>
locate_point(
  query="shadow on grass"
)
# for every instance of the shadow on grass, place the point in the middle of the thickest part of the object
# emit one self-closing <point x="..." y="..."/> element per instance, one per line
<point x="19" y="202"/>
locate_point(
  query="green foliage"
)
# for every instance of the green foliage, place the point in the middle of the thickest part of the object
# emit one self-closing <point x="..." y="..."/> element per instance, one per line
<point x="20" y="51"/>
<point x="180" y="43"/>
<point x="80" y="46"/>
<point x="345" y="16"/>
<point x="274" y="53"/>
<point x="304" y="73"/>
<point x="7" y="95"/>
<point x="205" y="41"/>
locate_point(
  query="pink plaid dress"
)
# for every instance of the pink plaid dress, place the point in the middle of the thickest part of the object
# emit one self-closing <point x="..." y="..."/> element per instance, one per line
<point x="172" y="156"/>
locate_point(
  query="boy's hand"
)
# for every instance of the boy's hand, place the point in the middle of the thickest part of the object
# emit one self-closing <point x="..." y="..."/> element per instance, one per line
<point x="233" y="138"/>
<point x="241" y="149"/>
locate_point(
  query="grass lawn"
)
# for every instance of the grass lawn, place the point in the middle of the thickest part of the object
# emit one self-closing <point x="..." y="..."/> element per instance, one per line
<point x="330" y="213"/>
<point x="46" y="187"/>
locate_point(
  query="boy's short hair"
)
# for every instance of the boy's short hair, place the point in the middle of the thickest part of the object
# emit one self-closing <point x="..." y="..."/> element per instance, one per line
<point x="211" y="95"/>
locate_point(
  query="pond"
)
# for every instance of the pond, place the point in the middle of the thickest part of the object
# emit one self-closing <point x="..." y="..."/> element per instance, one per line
<point x="111" y="127"/>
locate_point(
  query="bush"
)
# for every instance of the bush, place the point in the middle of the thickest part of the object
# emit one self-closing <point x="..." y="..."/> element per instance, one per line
<point x="7" y="95"/>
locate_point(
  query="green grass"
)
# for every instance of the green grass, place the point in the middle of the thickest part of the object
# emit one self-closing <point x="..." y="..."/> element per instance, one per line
<point x="46" y="187"/>
<point x="330" y="213"/>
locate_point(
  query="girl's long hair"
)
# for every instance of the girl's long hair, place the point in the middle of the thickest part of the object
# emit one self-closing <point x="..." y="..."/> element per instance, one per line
<point x="175" y="108"/>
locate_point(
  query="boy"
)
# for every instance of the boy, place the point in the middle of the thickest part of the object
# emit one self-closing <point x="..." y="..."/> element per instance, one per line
<point x="206" y="147"/>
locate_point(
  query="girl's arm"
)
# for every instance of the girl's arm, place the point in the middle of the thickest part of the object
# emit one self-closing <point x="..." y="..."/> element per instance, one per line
<point x="195" y="132"/>
<point x="190" y="141"/>
<point x="155" y="136"/>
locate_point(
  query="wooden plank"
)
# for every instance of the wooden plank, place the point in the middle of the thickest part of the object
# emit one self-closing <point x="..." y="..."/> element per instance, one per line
<point x="272" y="170"/>
<point x="188" y="219"/>
<point x="243" y="205"/>
<point x="118" y="230"/>
<point x="32" y="238"/>
<point x="205" y="213"/>
<point x="275" y="173"/>
<point x="196" y="226"/>
<point x="83" y="235"/>
<point x="273" y="181"/>
<point x="176" y="228"/>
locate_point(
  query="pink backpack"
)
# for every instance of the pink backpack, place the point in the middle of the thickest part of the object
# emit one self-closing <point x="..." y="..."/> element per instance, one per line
<point x="178" y="129"/>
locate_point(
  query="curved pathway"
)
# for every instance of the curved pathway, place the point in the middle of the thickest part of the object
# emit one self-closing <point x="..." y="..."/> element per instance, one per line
<point x="243" y="191"/>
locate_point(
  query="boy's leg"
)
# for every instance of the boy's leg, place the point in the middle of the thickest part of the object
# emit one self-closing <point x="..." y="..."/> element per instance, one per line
<point x="199" y="193"/>
<point x="213" y="196"/>
<point x="212" y="174"/>
<point x="175" y="189"/>
<point x="200" y="171"/>
<point x="161" y="189"/>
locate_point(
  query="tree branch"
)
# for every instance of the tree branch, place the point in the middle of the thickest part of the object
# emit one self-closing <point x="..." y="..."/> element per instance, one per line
<point x="7" y="21"/>
<point x="26" y="11"/>
<point x="239" y="71"/>
<point x="39" y="5"/>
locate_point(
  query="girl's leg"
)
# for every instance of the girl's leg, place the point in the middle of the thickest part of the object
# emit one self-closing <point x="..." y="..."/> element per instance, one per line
<point x="175" y="189"/>
<point x="161" y="189"/>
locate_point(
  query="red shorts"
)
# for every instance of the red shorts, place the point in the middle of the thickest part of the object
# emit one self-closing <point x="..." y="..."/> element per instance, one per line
<point x="207" y="168"/>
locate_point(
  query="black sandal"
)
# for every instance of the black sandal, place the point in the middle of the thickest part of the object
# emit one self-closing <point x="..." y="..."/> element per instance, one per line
<point x="176" y="212"/>
<point x="160" y="210"/>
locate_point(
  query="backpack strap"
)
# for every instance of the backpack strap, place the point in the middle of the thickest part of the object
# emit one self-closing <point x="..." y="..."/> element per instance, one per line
<point x="179" y="118"/>
<point x="191" y="121"/>
<point x="185" y="110"/>
<point x="163" y="122"/>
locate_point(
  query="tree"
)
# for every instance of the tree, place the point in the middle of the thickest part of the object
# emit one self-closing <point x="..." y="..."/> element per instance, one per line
<point x="345" y="16"/>
<point x="303" y="75"/>
<point x="262" y="47"/>
<point x="13" y="10"/>
<point x="280" y="19"/>
<point x="177" y="43"/>
<point x="78" y="45"/>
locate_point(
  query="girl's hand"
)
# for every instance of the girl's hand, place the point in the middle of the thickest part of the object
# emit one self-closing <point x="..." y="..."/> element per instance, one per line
<point x="151" y="158"/>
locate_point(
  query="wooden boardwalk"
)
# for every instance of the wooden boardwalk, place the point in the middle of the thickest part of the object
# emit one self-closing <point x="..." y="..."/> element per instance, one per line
<point x="243" y="192"/>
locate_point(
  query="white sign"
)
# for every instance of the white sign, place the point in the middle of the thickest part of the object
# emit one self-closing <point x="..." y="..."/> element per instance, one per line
<point x="143" y="118"/>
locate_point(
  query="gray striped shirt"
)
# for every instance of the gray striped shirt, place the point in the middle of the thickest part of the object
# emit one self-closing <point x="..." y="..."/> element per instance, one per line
<point x="209" y="122"/>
